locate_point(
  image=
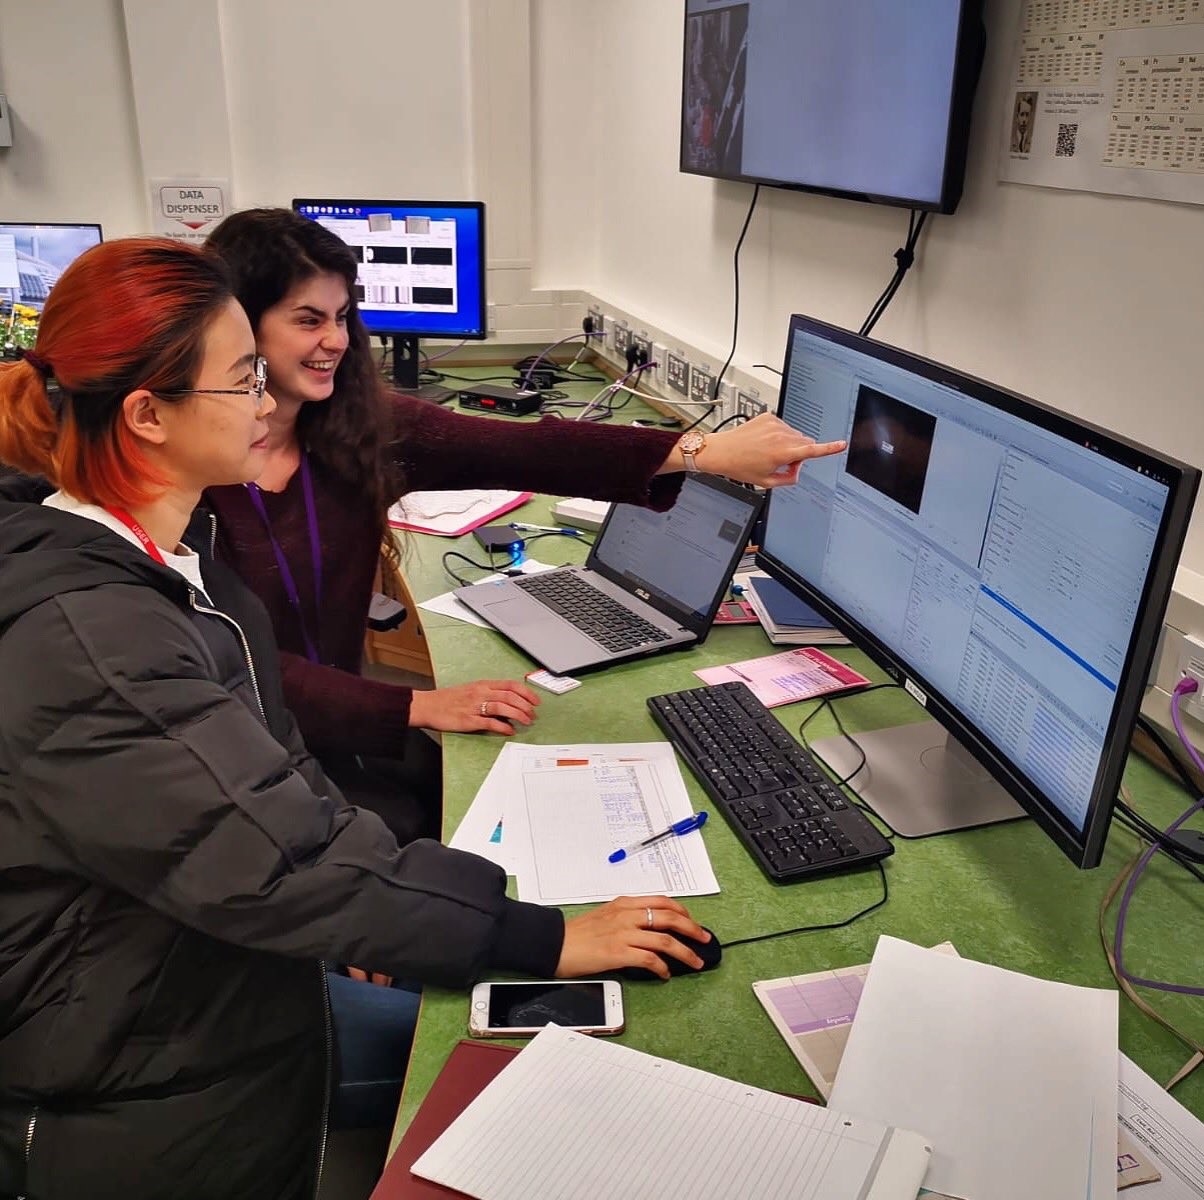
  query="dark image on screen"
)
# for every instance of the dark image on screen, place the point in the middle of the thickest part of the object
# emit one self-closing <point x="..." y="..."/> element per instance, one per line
<point x="712" y="134"/>
<point x="890" y="446"/>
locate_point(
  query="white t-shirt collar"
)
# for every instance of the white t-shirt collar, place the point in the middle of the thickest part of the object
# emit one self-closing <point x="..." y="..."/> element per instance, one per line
<point x="187" y="563"/>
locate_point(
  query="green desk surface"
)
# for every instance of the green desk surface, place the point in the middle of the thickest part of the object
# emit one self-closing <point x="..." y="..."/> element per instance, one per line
<point x="1002" y="894"/>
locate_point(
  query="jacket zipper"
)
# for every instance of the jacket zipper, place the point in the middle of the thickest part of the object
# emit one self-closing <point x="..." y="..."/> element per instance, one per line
<point x="327" y="1037"/>
<point x="242" y="637"/>
<point x="326" y="1092"/>
<point x="33" y="1121"/>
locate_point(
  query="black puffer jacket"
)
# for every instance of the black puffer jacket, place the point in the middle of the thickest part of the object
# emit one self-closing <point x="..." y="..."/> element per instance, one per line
<point x="173" y="869"/>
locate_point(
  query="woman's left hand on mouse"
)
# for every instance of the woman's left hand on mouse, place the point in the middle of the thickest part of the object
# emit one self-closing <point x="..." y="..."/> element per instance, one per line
<point x="486" y="706"/>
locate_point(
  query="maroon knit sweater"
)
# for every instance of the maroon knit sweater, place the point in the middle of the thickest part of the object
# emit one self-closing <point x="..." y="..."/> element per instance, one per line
<point x="336" y="708"/>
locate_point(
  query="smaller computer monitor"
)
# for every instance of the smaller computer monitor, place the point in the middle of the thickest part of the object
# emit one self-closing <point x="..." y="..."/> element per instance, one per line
<point x="32" y="257"/>
<point x="421" y="270"/>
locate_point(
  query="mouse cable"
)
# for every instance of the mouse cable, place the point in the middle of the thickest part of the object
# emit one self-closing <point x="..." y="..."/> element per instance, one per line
<point x="762" y="937"/>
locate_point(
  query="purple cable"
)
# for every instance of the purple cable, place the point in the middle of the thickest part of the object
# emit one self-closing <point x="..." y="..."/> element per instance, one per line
<point x="1184" y="686"/>
<point x="615" y="387"/>
<point x="526" y="379"/>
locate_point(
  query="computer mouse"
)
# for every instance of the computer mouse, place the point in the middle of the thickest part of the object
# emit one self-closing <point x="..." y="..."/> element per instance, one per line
<point x="710" y="953"/>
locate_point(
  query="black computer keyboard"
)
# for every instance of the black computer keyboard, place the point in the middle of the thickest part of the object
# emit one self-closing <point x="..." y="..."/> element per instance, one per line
<point x="792" y="818"/>
<point x="591" y="610"/>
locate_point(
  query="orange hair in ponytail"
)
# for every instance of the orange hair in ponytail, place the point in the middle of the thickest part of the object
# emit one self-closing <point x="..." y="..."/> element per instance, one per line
<point x="125" y="315"/>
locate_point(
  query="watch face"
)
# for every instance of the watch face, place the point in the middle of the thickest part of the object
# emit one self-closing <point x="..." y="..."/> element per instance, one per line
<point x="692" y="442"/>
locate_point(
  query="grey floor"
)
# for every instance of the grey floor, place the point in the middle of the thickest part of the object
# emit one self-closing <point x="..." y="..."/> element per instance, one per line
<point x="356" y="1157"/>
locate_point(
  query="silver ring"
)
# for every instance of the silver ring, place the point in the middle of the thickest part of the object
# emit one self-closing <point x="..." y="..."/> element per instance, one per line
<point x="651" y="923"/>
<point x="483" y="709"/>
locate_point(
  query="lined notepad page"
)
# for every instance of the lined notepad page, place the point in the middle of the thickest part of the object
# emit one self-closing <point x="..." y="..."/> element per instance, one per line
<point x="577" y="1118"/>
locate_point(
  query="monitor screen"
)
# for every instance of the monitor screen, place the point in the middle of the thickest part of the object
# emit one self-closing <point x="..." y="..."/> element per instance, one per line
<point x="1009" y="564"/>
<point x="421" y="263"/>
<point x="869" y="99"/>
<point x="32" y="257"/>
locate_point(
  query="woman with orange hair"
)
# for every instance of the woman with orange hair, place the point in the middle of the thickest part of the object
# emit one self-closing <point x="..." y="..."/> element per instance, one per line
<point x="174" y="866"/>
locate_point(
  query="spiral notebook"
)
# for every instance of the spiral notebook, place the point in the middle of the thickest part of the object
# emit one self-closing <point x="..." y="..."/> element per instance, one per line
<point x="578" y="1118"/>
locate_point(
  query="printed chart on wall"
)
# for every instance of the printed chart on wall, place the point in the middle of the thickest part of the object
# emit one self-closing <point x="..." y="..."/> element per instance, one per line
<point x="1108" y="96"/>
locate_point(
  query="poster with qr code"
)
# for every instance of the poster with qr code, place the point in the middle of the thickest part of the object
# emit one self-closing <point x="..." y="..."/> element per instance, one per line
<point x="1108" y="96"/>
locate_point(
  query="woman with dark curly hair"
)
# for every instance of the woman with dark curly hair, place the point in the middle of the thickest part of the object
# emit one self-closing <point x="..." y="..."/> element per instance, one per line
<point x="307" y="535"/>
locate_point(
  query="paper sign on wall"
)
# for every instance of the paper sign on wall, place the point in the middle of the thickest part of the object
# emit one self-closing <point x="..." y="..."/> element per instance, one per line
<point x="188" y="209"/>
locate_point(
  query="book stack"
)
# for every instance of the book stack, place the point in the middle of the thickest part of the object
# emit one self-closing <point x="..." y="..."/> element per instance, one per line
<point x="788" y="620"/>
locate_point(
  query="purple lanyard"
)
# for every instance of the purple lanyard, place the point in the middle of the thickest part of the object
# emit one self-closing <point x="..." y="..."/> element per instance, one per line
<point x="315" y="554"/>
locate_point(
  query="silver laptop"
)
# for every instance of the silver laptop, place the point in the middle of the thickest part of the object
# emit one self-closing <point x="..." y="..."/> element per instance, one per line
<point x="652" y="582"/>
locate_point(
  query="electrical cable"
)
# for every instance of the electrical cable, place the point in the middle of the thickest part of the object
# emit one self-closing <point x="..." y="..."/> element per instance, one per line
<point x="752" y="205"/>
<point x="888" y="831"/>
<point x="1142" y="829"/>
<point x="425" y="359"/>
<point x="905" y="256"/>
<point x="1139" y="864"/>
<point x="1155" y="735"/>
<point x="767" y="367"/>
<point x="764" y="937"/>
<point x="491" y="566"/>
<point x="525" y="381"/>
<point x="606" y="395"/>
<point x="1138" y="1001"/>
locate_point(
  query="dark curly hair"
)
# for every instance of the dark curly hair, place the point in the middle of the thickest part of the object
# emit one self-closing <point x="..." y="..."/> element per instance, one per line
<point x="268" y="251"/>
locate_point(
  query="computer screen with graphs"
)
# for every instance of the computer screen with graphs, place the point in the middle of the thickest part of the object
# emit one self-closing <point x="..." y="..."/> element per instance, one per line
<point x="32" y="257"/>
<point x="1008" y="564"/>
<point x="421" y="269"/>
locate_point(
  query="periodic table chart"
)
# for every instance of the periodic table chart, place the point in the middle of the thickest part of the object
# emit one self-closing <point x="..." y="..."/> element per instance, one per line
<point x="1108" y="96"/>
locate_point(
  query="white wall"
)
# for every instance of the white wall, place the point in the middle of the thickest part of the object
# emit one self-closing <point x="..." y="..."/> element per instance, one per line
<point x="376" y="105"/>
<point x="1093" y="304"/>
<point x="64" y="68"/>
<point x="562" y="115"/>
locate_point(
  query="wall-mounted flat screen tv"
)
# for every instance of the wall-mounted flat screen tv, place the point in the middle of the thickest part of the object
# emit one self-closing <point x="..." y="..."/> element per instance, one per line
<point x="865" y="99"/>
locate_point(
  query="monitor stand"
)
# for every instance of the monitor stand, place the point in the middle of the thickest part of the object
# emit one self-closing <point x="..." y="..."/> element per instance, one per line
<point x="919" y="779"/>
<point x="406" y="367"/>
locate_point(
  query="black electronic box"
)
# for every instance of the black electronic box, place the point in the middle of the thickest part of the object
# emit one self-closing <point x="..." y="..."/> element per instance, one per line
<point x="510" y="401"/>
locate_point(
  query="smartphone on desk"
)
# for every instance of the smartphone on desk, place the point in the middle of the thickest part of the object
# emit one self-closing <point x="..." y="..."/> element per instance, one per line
<point x="522" y="1009"/>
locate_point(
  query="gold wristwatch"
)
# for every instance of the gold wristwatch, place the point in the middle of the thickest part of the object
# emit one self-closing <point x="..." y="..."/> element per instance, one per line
<point x="691" y="444"/>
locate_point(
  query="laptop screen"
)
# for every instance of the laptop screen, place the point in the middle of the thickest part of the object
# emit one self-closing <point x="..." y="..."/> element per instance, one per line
<point x="681" y="557"/>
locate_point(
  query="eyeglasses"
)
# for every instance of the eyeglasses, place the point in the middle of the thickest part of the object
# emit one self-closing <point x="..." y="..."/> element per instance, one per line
<point x="256" y="390"/>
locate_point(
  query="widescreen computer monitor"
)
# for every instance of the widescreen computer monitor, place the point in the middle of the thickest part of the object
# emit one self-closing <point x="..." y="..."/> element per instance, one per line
<point x="421" y="270"/>
<point x="1007" y="564"/>
<point x="32" y="257"/>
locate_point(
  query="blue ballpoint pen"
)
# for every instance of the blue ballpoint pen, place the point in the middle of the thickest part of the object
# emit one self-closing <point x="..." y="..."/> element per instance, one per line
<point x="685" y="825"/>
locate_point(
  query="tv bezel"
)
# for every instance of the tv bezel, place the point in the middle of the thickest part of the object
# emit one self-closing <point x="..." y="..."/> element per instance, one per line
<point x="1086" y="848"/>
<point x="968" y="59"/>
<point x="453" y="335"/>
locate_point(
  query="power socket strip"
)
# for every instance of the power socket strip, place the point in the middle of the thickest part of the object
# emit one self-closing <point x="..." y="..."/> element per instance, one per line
<point x="702" y="383"/>
<point x="677" y="373"/>
<point x="660" y="356"/>
<point x="749" y="404"/>
<point x="642" y="344"/>
<point x="622" y="339"/>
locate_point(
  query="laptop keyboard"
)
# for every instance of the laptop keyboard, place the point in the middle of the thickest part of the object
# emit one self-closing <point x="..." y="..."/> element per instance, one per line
<point x="794" y="821"/>
<point x="590" y="610"/>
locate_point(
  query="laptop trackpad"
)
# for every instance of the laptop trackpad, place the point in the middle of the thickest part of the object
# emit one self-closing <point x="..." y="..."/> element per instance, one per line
<point x="519" y="612"/>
